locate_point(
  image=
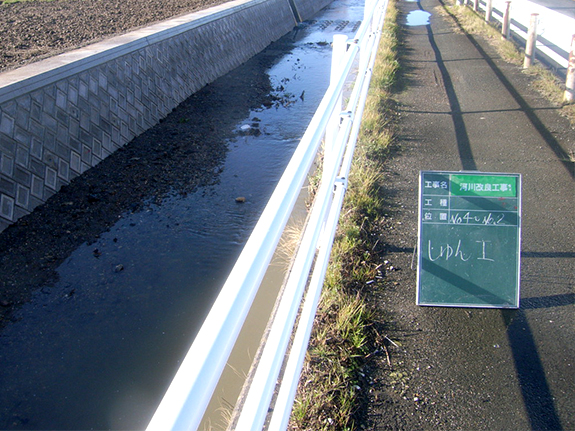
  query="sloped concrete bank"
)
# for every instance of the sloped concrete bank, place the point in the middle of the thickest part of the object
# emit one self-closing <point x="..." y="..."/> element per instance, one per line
<point x="61" y="116"/>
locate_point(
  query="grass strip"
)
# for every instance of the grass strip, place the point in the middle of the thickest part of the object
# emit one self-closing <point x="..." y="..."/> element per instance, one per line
<point x="332" y="393"/>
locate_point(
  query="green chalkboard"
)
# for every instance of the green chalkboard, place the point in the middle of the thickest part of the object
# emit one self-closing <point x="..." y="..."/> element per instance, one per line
<point x="469" y="239"/>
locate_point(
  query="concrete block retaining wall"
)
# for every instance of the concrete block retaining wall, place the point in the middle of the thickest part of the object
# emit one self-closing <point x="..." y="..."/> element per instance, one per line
<point x="63" y="115"/>
<point x="306" y="9"/>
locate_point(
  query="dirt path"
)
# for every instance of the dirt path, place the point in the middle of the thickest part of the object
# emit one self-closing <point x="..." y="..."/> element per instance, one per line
<point x="481" y="369"/>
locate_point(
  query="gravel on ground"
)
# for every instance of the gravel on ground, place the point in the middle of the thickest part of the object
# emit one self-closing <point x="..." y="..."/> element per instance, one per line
<point x="36" y="29"/>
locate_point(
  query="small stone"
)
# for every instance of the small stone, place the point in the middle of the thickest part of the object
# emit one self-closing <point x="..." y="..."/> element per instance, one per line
<point x="240" y="199"/>
<point x="119" y="268"/>
<point x="252" y="129"/>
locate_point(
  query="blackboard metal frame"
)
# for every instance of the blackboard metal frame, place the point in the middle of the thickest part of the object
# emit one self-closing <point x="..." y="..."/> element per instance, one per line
<point x="469" y="239"/>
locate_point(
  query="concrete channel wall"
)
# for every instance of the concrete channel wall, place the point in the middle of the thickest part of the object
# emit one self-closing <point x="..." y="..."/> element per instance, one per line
<point x="61" y="116"/>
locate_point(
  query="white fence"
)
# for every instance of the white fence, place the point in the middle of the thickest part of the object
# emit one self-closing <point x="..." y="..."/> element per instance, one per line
<point x="554" y="29"/>
<point x="183" y="405"/>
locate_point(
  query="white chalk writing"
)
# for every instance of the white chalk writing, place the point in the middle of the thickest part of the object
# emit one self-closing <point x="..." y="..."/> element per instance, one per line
<point x="484" y="250"/>
<point x="447" y="251"/>
<point x="476" y="218"/>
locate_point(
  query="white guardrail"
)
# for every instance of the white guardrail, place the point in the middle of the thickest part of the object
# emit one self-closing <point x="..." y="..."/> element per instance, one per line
<point x="554" y="30"/>
<point x="187" y="397"/>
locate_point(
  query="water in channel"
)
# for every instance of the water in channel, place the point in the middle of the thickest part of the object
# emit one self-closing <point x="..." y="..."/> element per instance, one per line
<point x="97" y="348"/>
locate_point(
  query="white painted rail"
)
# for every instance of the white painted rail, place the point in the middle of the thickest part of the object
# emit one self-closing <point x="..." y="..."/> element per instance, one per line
<point x="186" y="399"/>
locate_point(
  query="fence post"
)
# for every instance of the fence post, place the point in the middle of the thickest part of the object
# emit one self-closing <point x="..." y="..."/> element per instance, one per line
<point x="475" y="5"/>
<point x="531" y="40"/>
<point x="506" y="29"/>
<point x="488" y="10"/>
<point x="569" y="95"/>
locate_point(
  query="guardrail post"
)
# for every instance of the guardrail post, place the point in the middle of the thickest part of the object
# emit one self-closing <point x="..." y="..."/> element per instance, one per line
<point x="488" y="10"/>
<point x="339" y="49"/>
<point x="367" y="7"/>
<point x="569" y="95"/>
<point x="506" y="29"/>
<point x="531" y="40"/>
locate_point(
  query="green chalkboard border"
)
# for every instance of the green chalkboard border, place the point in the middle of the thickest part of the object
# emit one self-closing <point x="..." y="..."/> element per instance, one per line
<point x="438" y="302"/>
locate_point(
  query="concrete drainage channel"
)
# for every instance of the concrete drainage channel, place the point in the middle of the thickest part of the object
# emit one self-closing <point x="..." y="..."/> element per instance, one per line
<point x="63" y="115"/>
<point x="96" y="345"/>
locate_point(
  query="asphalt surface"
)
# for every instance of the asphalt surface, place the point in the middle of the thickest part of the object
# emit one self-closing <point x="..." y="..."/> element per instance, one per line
<point x="462" y="108"/>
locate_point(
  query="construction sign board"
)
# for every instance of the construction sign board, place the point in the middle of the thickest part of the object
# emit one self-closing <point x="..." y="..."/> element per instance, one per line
<point x="469" y="239"/>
